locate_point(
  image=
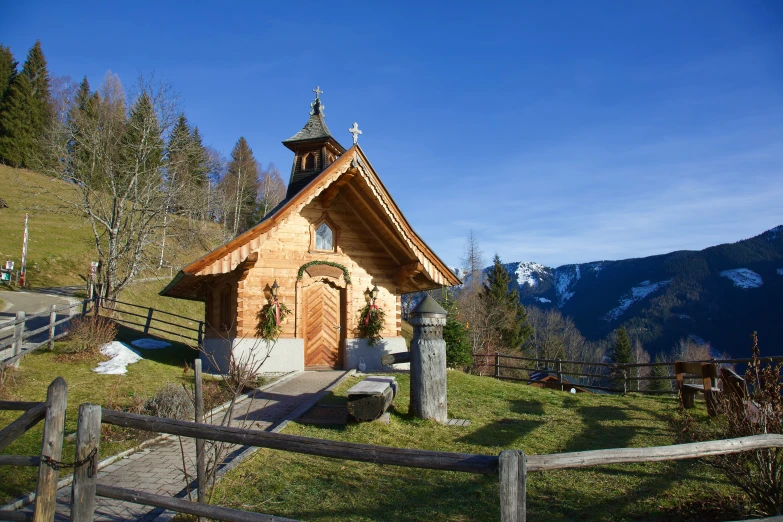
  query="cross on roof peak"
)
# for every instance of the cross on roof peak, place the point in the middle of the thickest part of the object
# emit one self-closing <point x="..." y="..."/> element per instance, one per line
<point x="355" y="131"/>
<point x="318" y="92"/>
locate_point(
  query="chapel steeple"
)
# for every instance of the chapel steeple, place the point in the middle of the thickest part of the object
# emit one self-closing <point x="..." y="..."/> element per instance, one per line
<point x="314" y="148"/>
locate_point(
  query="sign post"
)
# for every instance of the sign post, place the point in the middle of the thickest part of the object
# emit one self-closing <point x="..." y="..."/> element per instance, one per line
<point x="24" y="253"/>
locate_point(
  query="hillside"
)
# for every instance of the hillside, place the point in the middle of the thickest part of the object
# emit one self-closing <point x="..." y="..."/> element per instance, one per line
<point x="720" y="294"/>
<point x="61" y="243"/>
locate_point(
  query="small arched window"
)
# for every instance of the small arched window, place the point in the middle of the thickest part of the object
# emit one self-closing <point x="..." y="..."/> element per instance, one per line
<point x="309" y="161"/>
<point x="324" y="237"/>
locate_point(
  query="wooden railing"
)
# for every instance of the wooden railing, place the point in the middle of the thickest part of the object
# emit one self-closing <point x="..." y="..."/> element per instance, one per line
<point x="510" y="466"/>
<point x="149" y="319"/>
<point x="23" y="339"/>
<point x="627" y="373"/>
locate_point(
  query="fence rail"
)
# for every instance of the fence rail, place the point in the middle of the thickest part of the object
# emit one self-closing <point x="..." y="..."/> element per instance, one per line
<point x="627" y="373"/>
<point x="122" y="312"/>
<point x="510" y="466"/>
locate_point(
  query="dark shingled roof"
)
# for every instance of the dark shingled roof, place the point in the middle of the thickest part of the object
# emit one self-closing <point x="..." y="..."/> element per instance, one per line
<point x="314" y="129"/>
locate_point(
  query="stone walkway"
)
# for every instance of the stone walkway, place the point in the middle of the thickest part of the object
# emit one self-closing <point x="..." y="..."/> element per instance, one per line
<point x="158" y="468"/>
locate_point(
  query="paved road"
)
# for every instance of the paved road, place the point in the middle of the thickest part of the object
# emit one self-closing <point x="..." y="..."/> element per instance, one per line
<point x="158" y="468"/>
<point x="30" y="303"/>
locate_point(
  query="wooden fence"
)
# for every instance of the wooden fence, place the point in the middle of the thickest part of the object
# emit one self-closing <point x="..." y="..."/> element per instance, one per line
<point x="510" y="466"/>
<point x="149" y="319"/>
<point x="629" y="374"/>
<point x="24" y="340"/>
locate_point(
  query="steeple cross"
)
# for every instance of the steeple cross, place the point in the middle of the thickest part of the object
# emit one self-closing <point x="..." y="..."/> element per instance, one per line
<point x="355" y="131"/>
<point x="318" y="92"/>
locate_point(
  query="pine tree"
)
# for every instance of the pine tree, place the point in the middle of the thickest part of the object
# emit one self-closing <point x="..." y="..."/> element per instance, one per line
<point x="26" y="112"/>
<point x="509" y="315"/>
<point x="198" y="160"/>
<point x="660" y="371"/>
<point x="458" y="350"/>
<point x="240" y="185"/>
<point x="17" y="122"/>
<point x="143" y="143"/>
<point x="622" y="352"/>
<point x="7" y="70"/>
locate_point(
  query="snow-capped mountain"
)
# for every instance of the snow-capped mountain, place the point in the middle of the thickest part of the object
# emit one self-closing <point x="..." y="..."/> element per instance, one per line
<point x="721" y="294"/>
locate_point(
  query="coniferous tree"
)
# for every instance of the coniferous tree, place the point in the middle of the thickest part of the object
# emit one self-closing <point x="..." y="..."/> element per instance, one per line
<point x="510" y="316"/>
<point x="622" y="352"/>
<point x="458" y="349"/>
<point x="26" y="111"/>
<point x="660" y="371"/>
<point x="240" y="186"/>
<point x="17" y="121"/>
<point x="198" y="160"/>
<point x="7" y="70"/>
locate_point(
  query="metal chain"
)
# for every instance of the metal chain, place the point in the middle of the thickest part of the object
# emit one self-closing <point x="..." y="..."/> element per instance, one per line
<point x="57" y="465"/>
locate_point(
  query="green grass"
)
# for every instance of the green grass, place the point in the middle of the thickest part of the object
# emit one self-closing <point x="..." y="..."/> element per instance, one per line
<point x="61" y="243"/>
<point x="40" y="368"/>
<point x="504" y="416"/>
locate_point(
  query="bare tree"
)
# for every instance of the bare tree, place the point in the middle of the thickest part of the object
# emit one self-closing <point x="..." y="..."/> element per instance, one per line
<point x="472" y="310"/>
<point x="112" y="159"/>
<point x="271" y="189"/>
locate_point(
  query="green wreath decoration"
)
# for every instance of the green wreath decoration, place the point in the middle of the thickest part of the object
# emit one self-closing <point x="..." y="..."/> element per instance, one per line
<point x="305" y="266"/>
<point x="371" y="323"/>
<point x="270" y="318"/>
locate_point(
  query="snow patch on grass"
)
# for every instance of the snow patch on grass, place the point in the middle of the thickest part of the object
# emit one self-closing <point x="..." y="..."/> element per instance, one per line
<point x="636" y="294"/>
<point x="743" y="278"/>
<point x="121" y="356"/>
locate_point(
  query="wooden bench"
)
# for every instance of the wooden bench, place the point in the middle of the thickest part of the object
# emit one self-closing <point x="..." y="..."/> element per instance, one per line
<point x="370" y="399"/>
<point x="734" y="386"/>
<point x="708" y="372"/>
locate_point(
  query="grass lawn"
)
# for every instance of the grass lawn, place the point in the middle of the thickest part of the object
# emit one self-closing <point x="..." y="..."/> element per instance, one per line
<point x="504" y="415"/>
<point x="40" y="368"/>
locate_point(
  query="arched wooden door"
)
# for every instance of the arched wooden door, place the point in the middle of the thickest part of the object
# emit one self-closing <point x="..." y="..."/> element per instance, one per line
<point x="323" y="326"/>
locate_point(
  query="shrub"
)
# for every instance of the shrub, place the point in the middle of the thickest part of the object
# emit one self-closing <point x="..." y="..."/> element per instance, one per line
<point x="758" y="473"/>
<point x="172" y="402"/>
<point x="88" y="334"/>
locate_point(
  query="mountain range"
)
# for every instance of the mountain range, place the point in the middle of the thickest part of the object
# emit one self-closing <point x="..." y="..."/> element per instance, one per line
<point x="718" y="295"/>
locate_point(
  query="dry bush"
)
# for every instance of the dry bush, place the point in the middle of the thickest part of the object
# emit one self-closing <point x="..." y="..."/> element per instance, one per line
<point x="88" y="334"/>
<point x="758" y="473"/>
<point x="172" y="402"/>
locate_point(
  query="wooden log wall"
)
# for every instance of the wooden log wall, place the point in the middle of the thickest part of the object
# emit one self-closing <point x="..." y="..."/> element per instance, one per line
<point x="291" y="245"/>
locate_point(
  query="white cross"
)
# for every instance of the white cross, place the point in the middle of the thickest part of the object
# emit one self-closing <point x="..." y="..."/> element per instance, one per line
<point x="355" y="131"/>
<point x="318" y="92"/>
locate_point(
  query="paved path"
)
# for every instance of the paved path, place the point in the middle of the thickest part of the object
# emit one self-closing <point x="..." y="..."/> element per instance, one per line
<point x="30" y="303"/>
<point x="158" y="468"/>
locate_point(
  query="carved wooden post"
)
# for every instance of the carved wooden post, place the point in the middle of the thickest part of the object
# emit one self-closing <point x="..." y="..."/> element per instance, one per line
<point x="513" y="490"/>
<point x="428" y="361"/>
<point x="85" y="476"/>
<point x="52" y="448"/>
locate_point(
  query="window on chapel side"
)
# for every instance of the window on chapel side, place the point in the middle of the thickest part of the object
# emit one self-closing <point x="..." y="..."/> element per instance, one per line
<point x="324" y="238"/>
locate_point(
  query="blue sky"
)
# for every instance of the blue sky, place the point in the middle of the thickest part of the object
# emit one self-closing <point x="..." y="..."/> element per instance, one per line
<point x="559" y="132"/>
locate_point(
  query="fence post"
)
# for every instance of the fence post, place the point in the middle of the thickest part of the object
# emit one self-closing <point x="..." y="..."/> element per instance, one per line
<point x="497" y="365"/>
<point x="560" y="374"/>
<point x="88" y="438"/>
<point x="627" y="383"/>
<point x="51" y="448"/>
<point x="97" y="305"/>
<point x="200" y="334"/>
<point x="149" y="320"/>
<point x="18" y="334"/>
<point x="513" y="490"/>
<point x="201" y="463"/>
<point x="52" y="320"/>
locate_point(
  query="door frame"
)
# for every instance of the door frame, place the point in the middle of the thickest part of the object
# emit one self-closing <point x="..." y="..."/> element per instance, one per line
<point x="345" y="310"/>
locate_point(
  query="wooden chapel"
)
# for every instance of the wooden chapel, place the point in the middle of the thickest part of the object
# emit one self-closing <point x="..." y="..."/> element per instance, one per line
<point x="336" y="235"/>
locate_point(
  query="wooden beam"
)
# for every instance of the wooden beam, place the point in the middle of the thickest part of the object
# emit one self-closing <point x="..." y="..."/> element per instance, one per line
<point x="328" y="195"/>
<point x="406" y="272"/>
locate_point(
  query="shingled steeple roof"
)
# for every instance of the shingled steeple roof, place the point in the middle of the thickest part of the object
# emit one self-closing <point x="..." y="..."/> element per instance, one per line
<point x="314" y="148"/>
<point x="314" y="129"/>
